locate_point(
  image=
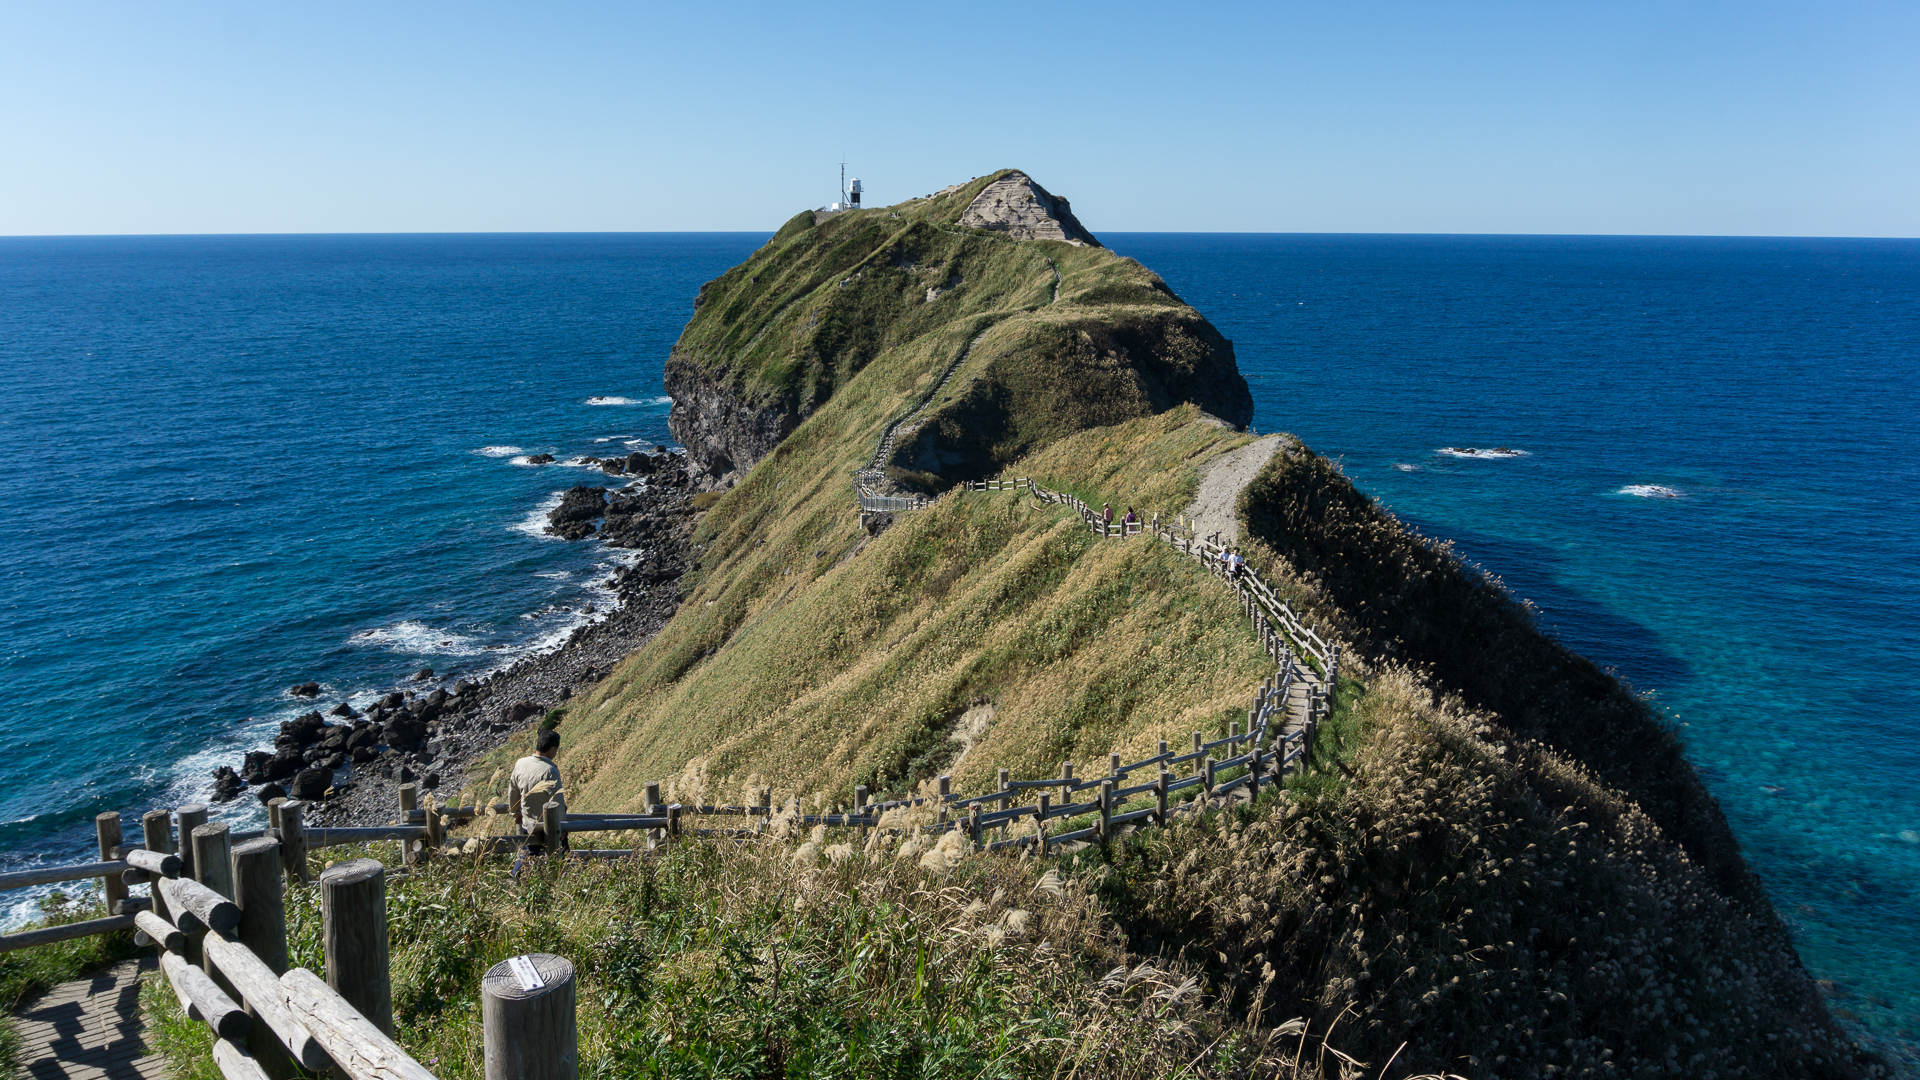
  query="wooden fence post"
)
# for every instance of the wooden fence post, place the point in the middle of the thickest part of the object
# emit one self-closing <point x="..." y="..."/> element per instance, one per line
<point x="1040" y="817"/>
<point x="106" y="829"/>
<point x="273" y="813"/>
<point x="212" y="866"/>
<point x="353" y="933"/>
<point x="860" y="806"/>
<point x="409" y="802"/>
<point x="1209" y="774"/>
<point x="259" y="893"/>
<point x="192" y="816"/>
<point x="973" y="822"/>
<point x="673" y="822"/>
<point x="212" y="857"/>
<point x="1106" y="811"/>
<point x="651" y="796"/>
<point x="1253" y="771"/>
<point x="554" y="825"/>
<point x="156" y="829"/>
<point x="945" y="793"/>
<point x="293" y="840"/>
<point x="528" y="1021"/>
<point x="1160" y="796"/>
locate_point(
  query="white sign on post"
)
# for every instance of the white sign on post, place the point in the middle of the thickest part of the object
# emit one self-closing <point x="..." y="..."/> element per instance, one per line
<point x="524" y="970"/>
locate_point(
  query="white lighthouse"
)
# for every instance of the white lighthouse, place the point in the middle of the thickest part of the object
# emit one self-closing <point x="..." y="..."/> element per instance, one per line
<point x="853" y="194"/>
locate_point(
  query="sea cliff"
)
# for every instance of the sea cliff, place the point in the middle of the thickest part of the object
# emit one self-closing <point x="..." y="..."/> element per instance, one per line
<point x="1498" y="861"/>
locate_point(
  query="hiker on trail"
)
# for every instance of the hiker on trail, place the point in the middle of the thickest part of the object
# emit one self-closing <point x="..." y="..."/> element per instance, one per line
<point x="534" y="782"/>
<point x="1131" y="518"/>
<point x="1234" y="564"/>
<point x="1106" y="515"/>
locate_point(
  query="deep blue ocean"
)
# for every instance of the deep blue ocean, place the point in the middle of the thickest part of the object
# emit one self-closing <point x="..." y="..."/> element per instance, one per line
<point x="238" y="463"/>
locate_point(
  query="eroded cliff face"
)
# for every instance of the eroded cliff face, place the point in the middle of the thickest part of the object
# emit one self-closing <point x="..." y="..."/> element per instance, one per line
<point x="724" y="432"/>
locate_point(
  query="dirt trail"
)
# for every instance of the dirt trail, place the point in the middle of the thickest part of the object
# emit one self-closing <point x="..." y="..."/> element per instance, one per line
<point x="1221" y="481"/>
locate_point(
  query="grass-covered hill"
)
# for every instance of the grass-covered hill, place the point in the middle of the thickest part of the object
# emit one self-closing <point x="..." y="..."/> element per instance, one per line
<point x="1055" y="336"/>
<point x="1498" y="866"/>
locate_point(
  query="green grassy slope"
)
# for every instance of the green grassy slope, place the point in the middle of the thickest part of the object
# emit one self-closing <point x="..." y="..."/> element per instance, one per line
<point x="1499" y="860"/>
<point x="809" y="658"/>
<point x="1074" y="335"/>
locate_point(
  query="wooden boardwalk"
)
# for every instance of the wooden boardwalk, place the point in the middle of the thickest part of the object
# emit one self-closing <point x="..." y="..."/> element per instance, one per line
<point x="89" y="1029"/>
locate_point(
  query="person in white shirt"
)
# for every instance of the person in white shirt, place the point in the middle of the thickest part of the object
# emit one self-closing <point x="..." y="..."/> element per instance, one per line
<point x="534" y="782"/>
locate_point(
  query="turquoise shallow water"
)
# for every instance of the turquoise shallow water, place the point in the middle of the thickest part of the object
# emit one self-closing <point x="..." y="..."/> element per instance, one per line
<point x="243" y="462"/>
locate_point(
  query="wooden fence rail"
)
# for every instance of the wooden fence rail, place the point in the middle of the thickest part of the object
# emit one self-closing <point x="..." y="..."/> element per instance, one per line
<point x="217" y="906"/>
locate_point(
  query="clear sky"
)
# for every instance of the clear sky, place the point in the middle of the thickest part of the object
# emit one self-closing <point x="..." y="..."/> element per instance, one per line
<point x="1540" y="116"/>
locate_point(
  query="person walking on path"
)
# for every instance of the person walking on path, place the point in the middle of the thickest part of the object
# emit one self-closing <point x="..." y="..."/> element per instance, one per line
<point x="1234" y="563"/>
<point x="534" y="782"/>
<point x="1106" y="516"/>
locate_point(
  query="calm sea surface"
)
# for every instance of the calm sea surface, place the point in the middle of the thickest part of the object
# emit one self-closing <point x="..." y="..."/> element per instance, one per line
<point x="238" y="463"/>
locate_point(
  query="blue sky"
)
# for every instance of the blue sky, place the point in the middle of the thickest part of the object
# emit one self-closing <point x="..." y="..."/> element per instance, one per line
<point x="1557" y="117"/>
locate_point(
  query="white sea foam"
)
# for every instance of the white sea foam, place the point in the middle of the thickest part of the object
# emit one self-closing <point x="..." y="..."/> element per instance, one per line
<point x="614" y="399"/>
<point x="1404" y="467"/>
<point x="417" y="638"/>
<point x="1652" y="491"/>
<point x="535" y="523"/>
<point x="1483" y="453"/>
<point x="498" y="451"/>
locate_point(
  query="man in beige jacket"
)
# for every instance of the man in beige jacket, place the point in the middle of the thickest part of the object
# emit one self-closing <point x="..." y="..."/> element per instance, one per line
<point x="534" y="782"/>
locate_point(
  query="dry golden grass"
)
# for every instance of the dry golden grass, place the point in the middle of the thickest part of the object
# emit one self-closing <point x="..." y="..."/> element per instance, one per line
<point x="809" y="659"/>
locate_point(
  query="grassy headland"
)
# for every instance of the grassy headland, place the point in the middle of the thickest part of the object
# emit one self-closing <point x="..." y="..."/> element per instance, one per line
<point x="1498" y="866"/>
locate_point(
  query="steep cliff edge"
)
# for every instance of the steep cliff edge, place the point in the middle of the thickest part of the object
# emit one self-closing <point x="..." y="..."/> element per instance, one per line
<point x="1497" y="864"/>
<point x="1054" y="333"/>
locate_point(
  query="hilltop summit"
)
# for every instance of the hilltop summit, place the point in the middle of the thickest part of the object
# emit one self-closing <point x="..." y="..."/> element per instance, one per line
<point x="1004" y="323"/>
<point x="1017" y="205"/>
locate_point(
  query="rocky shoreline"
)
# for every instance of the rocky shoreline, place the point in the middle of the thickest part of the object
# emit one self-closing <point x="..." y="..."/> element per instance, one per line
<point x="347" y="764"/>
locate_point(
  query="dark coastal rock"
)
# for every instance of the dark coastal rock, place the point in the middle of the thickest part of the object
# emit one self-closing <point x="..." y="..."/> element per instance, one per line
<point x="301" y="730"/>
<point x="404" y="731"/>
<point x="360" y="755"/>
<point x="253" y="767"/>
<point x="226" y="784"/>
<point x="342" y="709"/>
<point x="334" y="761"/>
<point x="522" y="711"/>
<point x="312" y="783"/>
<point x="266" y="793"/>
<point x="283" y="764"/>
<point x="306" y="690"/>
<point x="581" y="505"/>
<point x="463" y="688"/>
<point x="393" y="700"/>
<point x="540" y="459"/>
<point x="367" y="737"/>
<point x="430" y="781"/>
<point x="423" y="674"/>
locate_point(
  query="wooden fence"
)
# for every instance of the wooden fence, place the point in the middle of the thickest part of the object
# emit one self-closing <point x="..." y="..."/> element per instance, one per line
<point x="217" y="915"/>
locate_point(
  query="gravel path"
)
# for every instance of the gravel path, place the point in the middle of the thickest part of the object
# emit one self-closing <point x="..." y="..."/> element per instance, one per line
<point x="1222" y="480"/>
